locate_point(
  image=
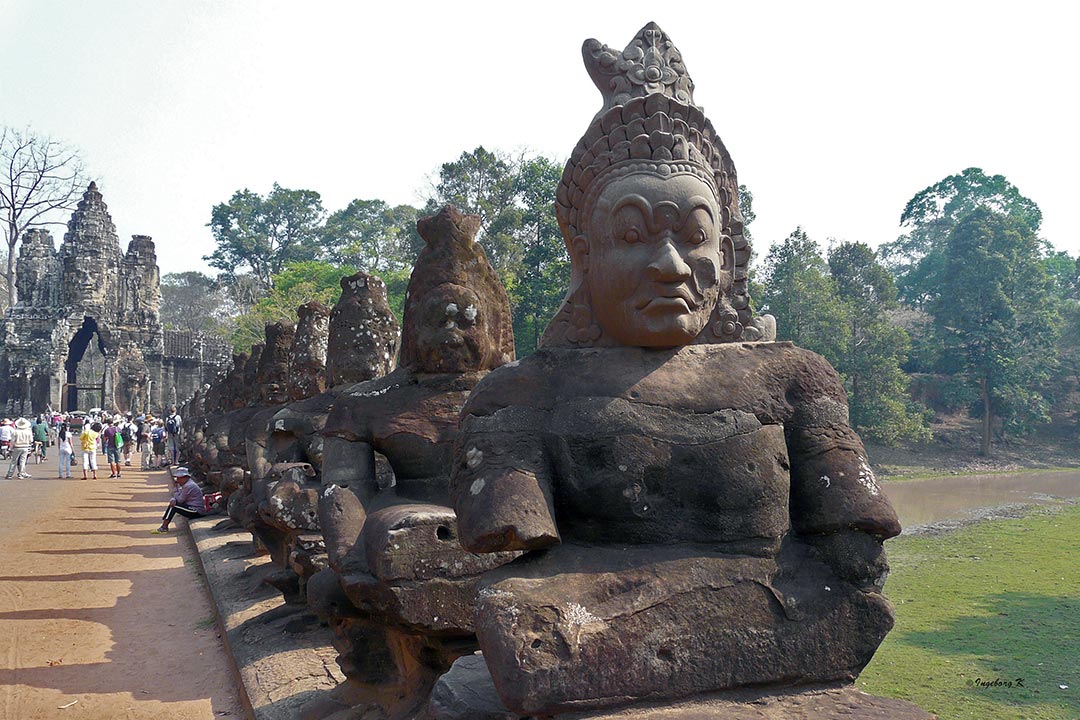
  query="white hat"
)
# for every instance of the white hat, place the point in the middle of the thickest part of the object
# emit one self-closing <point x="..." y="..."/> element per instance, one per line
<point x="181" y="472"/>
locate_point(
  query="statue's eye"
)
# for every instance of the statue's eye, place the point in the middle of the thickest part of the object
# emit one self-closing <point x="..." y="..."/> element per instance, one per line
<point x="631" y="236"/>
<point x="697" y="236"/>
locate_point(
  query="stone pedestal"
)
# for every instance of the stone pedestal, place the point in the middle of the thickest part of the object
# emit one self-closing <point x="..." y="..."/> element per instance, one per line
<point x="468" y="693"/>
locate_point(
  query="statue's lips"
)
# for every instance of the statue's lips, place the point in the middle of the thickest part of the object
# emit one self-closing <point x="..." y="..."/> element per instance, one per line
<point x="679" y="300"/>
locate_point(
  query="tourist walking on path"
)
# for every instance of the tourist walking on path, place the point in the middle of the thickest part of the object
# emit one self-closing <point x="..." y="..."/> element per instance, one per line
<point x="157" y="437"/>
<point x="7" y="430"/>
<point x="127" y="431"/>
<point x="113" y="442"/>
<point x="187" y="499"/>
<point x="64" y="450"/>
<point x="88" y="442"/>
<point x="143" y="425"/>
<point x="21" y="441"/>
<point x="41" y="438"/>
<point x="173" y="425"/>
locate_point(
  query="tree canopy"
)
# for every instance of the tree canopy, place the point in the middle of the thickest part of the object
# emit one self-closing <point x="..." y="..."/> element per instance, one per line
<point x="871" y="363"/>
<point x="372" y="235"/>
<point x="996" y="317"/>
<point x="798" y="290"/>
<point x="917" y="256"/>
<point x="296" y="284"/>
<point x="195" y="301"/>
<point x="264" y="234"/>
<point x="515" y="199"/>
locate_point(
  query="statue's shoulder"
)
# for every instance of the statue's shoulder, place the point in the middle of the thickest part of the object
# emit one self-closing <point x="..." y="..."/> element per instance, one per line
<point x="356" y="405"/>
<point x="799" y="372"/>
<point x="528" y="382"/>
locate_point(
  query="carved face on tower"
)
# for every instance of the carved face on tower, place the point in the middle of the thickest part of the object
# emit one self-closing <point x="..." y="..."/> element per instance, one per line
<point x="654" y="258"/>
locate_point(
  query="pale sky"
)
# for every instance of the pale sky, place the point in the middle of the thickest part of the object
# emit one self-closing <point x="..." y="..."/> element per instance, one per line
<point x="836" y="113"/>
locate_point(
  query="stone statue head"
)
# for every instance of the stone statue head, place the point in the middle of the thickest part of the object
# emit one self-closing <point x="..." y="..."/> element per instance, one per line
<point x="457" y="314"/>
<point x="648" y="207"/>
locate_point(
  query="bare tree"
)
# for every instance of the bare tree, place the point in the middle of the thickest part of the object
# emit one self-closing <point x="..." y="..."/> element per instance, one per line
<point x="38" y="176"/>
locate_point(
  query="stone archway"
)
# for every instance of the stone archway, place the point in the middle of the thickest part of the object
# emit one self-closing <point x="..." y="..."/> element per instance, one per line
<point x="85" y="374"/>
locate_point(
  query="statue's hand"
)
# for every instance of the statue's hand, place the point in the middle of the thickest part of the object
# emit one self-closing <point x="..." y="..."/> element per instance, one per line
<point x="855" y="556"/>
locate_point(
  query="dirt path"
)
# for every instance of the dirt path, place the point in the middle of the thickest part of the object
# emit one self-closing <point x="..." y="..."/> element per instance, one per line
<point x="95" y="609"/>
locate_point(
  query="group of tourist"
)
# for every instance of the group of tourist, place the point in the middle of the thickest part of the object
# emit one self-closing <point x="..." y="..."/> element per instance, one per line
<point x="118" y="437"/>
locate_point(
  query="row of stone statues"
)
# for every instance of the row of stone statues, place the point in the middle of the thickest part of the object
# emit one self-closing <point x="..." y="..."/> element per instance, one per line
<point x="660" y="504"/>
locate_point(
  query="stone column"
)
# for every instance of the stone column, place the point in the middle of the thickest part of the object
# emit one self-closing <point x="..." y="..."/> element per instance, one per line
<point x="108" y="403"/>
<point x="56" y="386"/>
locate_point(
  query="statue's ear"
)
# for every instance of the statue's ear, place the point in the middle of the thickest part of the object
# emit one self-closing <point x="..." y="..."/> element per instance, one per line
<point x="579" y="252"/>
<point x="727" y="254"/>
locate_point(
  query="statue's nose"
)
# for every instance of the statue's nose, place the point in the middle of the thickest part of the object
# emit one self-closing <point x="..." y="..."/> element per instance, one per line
<point x="668" y="264"/>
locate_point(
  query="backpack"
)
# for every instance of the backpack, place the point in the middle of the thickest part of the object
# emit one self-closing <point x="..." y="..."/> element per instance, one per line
<point x="172" y="424"/>
<point x="128" y="432"/>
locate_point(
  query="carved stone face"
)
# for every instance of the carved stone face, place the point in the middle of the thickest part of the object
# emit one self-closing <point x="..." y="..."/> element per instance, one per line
<point x="653" y="259"/>
<point x="451" y="332"/>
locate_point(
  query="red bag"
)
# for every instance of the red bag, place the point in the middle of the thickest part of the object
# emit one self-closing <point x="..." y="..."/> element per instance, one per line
<point x="210" y="501"/>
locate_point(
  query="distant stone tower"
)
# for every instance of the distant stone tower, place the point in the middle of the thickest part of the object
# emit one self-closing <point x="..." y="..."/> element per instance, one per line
<point x="85" y="330"/>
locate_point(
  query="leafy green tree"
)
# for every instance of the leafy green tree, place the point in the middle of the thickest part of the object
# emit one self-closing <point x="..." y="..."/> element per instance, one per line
<point x="298" y="283"/>
<point x="515" y="199"/>
<point x="996" y="317"/>
<point x="746" y="207"/>
<point x="545" y="263"/>
<point x="871" y="363"/>
<point x="372" y="235"/>
<point x="485" y="183"/>
<point x="264" y="234"/>
<point x="1064" y="273"/>
<point x="917" y="257"/>
<point x="397" y="286"/>
<point x="798" y="291"/>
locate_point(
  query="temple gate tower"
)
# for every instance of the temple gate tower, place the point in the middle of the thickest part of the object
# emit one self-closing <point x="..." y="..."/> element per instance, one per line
<point x="85" y="331"/>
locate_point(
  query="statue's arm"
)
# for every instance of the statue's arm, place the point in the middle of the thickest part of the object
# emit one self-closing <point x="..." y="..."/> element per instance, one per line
<point x="836" y="503"/>
<point x="350" y="463"/>
<point x="501" y="482"/>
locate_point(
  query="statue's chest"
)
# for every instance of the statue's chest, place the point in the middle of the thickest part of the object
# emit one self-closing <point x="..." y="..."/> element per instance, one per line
<point x="641" y="473"/>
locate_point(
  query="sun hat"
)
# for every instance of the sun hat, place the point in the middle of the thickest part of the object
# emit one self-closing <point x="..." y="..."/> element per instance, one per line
<point x="22" y="423"/>
<point x="181" y="472"/>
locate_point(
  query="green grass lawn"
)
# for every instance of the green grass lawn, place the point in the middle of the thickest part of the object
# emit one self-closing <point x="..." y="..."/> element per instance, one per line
<point x="997" y="601"/>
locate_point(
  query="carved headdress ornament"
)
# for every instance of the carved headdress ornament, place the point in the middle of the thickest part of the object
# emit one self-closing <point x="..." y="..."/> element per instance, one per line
<point x="649" y="123"/>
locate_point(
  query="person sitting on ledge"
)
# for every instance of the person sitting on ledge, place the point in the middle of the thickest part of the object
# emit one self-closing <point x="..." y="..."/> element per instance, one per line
<point x="187" y="499"/>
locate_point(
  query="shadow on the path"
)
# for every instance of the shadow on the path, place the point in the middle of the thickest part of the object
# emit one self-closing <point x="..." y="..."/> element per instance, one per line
<point x="159" y="631"/>
<point x="119" y="533"/>
<point x="152" y="550"/>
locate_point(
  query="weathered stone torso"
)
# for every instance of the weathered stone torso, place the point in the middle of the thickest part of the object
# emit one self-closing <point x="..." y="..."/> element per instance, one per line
<point x="410" y="419"/>
<point x="668" y="446"/>
<point x="631" y="472"/>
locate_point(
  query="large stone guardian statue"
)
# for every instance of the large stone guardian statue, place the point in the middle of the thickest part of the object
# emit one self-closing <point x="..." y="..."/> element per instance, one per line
<point x="399" y="590"/>
<point x="698" y="513"/>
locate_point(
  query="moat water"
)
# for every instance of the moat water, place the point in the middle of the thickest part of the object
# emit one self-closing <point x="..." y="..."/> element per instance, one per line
<point x="958" y="497"/>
